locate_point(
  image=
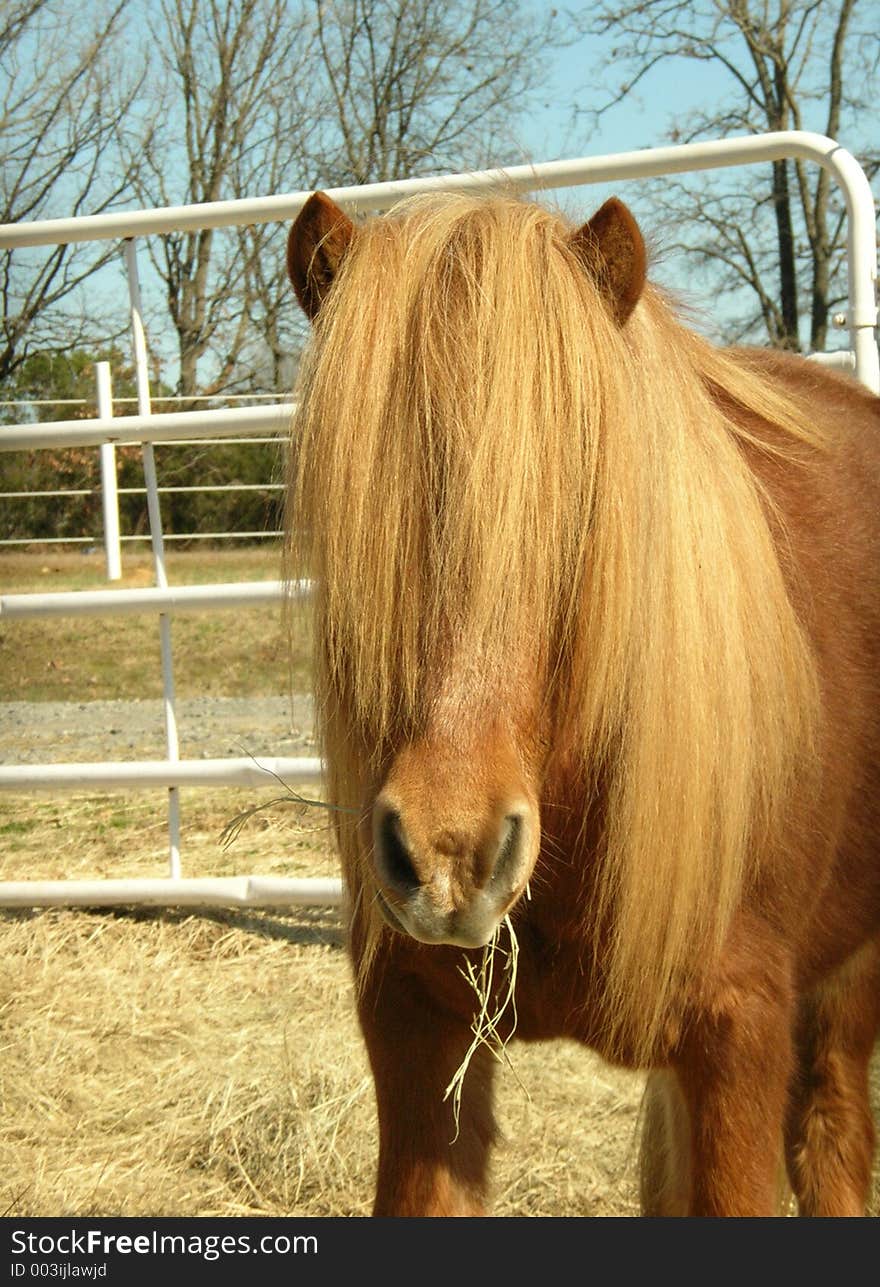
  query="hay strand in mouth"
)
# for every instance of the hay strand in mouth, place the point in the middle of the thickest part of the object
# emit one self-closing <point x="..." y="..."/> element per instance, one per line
<point x="484" y="1025"/>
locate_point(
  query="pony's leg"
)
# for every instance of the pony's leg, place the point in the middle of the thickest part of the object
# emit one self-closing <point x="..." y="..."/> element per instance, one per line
<point x="734" y="1067"/>
<point x="830" y="1130"/>
<point x="428" y="1165"/>
<point x="664" y="1155"/>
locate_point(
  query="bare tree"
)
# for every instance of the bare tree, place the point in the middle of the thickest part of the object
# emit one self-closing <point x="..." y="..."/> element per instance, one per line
<point x="227" y="72"/>
<point x="782" y="64"/>
<point x="13" y="24"/>
<point x="417" y="85"/>
<point x="394" y="88"/>
<point x="63" y="99"/>
<point x="264" y="96"/>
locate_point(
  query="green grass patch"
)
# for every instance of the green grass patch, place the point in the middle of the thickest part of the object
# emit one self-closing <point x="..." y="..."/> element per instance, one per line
<point x="239" y="652"/>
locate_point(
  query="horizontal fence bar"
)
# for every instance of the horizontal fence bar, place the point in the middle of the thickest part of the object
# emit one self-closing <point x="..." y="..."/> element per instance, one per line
<point x="221" y="442"/>
<point x="179" y="426"/>
<point x="69" y="491"/>
<point x="136" y="775"/>
<point x="142" y="491"/>
<point x="201" y="397"/>
<point x="211" y="536"/>
<point x="374" y="197"/>
<point x="96" y="541"/>
<point x="47" y="402"/>
<point x="842" y="360"/>
<point x="132" y="401"/>
<point x="646" y="163"/>
<point x="171" y="599"/>
<point x="54" y="540"/>
<point x="176" y="491"/>
<point x="220" y="891"/>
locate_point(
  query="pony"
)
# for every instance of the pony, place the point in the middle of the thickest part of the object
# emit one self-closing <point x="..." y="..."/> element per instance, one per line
<point x="597" y="611"/>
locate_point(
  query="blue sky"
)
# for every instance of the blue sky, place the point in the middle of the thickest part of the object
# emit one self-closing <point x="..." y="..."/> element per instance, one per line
<point x="643" y="119"/>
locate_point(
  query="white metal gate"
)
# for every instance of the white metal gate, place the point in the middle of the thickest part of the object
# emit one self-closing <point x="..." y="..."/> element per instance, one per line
<point x="146" y="428"/>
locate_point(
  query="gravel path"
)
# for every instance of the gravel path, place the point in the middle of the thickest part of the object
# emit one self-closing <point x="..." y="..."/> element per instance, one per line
<point x="47" y="732"/>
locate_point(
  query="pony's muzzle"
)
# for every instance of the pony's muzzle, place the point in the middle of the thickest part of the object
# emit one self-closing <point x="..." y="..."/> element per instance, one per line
<point x="449" y="881"/>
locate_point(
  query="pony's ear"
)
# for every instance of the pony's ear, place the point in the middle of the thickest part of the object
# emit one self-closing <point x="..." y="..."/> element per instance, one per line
<point x="316" y="246"/>
<point x="611" y="247"/>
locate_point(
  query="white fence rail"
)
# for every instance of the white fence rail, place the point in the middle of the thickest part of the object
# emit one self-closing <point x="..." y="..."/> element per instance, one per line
<point x="147" y="428"/>
<point x="111" y="536"/>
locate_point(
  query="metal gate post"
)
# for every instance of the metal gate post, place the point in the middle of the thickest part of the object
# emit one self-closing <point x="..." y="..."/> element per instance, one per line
<point x="142" y="374"/>
<point x="109" y="488"/>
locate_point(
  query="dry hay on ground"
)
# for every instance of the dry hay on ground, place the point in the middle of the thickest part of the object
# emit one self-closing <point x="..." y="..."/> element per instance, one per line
<point x="164" y="1064"/>
<point x="210" y="1064"/>
<point x="167" y="1063"/>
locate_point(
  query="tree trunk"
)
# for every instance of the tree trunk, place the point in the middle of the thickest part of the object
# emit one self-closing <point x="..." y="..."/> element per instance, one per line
<point x="788" y="292"/>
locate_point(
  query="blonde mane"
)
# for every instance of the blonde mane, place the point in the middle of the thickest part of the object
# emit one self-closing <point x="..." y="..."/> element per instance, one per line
<point x="479" y="447"/>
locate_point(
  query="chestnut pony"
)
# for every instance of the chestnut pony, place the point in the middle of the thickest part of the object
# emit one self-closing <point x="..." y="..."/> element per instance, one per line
<point x="597" y="624"/>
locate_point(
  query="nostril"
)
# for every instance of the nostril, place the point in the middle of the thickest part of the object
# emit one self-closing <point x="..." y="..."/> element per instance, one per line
<point x="393" y="856"/>
<point x="509" y="849"/>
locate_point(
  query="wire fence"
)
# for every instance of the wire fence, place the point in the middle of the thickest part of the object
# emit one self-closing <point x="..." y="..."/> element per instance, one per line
<point x="80" y="504"/>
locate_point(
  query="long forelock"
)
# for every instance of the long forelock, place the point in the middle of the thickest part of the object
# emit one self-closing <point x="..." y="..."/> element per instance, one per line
<point x="444" y="381"/>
